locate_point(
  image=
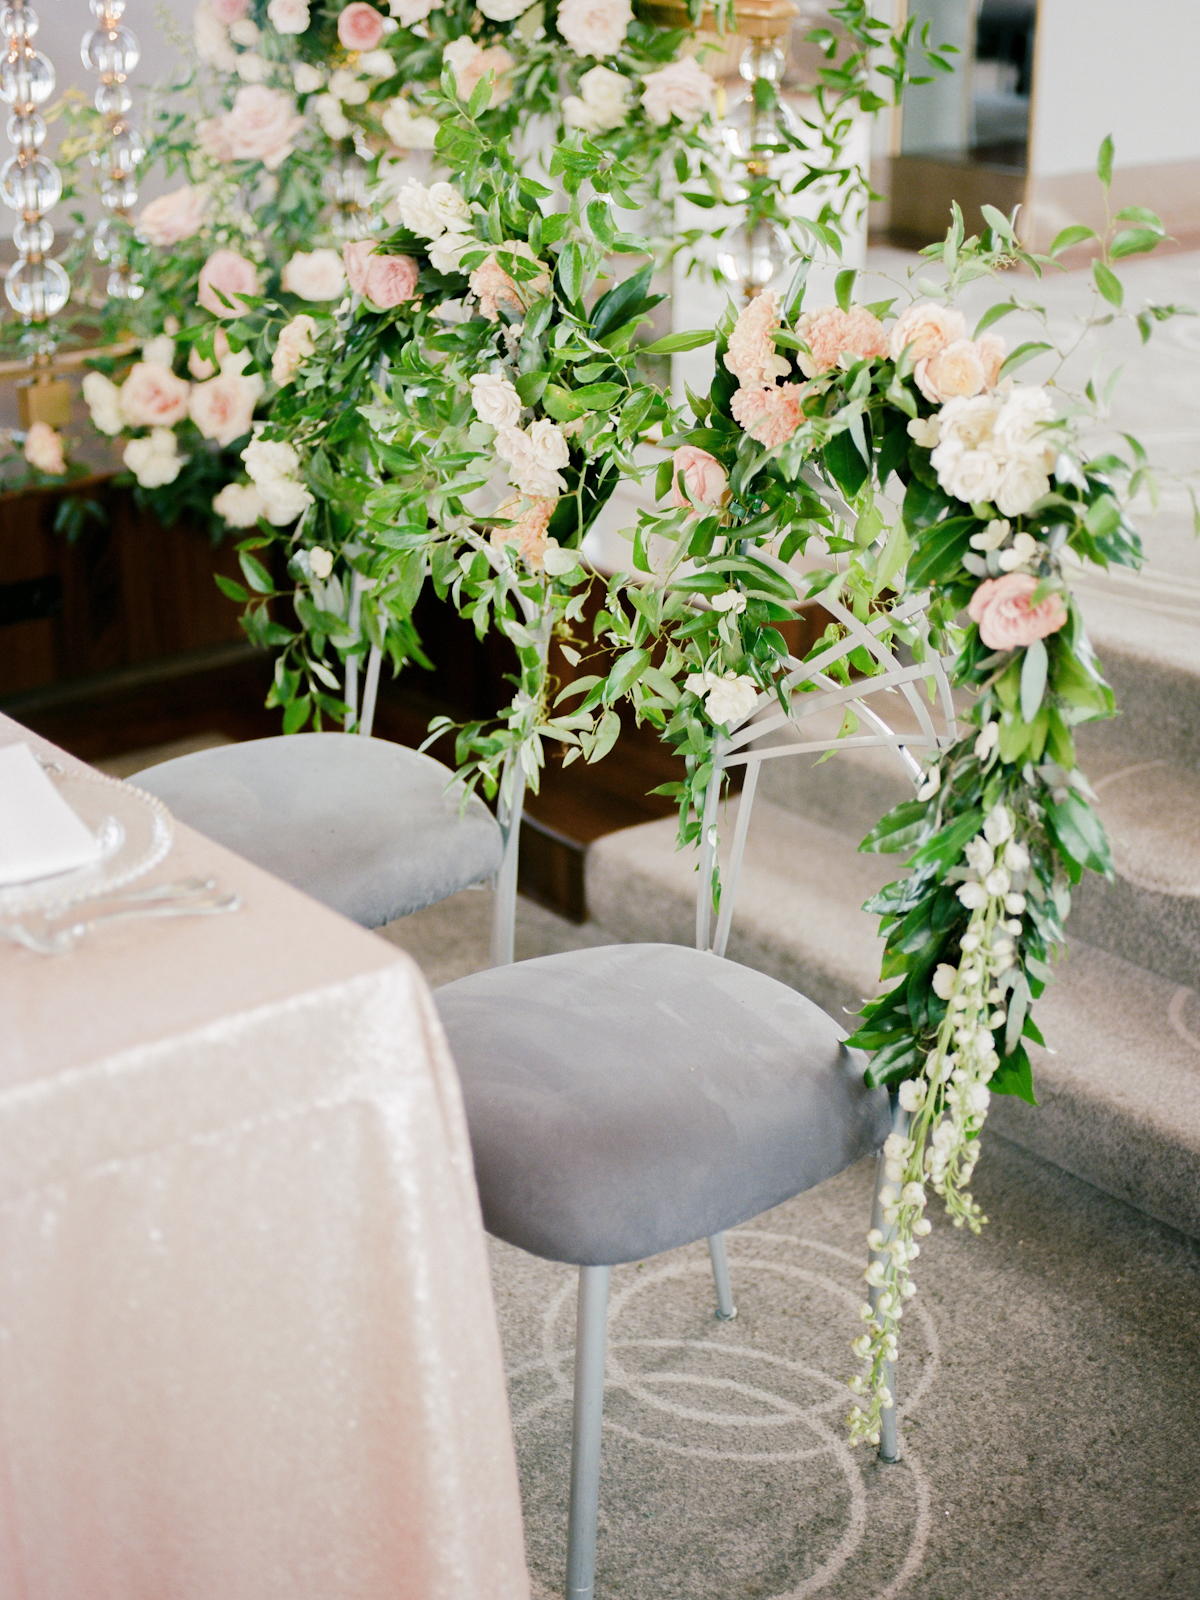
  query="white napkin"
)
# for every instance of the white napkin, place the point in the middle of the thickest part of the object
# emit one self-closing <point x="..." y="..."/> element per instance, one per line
<point x="39" y="833"/>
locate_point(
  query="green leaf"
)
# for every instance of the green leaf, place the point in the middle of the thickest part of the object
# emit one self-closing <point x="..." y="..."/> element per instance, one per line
<point x="993" y="314"/>
<point x="846" y="466"/>
<point x="1023" y="353"/>
<point x="1080" y="834"/>
<point x="1104" y="161"/>
<point x="257" y="575"/>
<point x="843" y="287"/>
<point x="231" y="588"/>
<point x="1033" y="679"/>
<point x="570" y="271"/>
<point x="1014" y="1076"/>
<point x="1108" y="284"/>
<point x="1075" y="234"/>
<point x="1133" y="242"/>
<point x="297" y="714"/>
<point x="626" y="670"/>
<point x="999" y="223"/>
<point x="692" y="340"/>
<point x="947" y="844"/>
<point x="1139" y="214"/>
<point x="606" y="736"/>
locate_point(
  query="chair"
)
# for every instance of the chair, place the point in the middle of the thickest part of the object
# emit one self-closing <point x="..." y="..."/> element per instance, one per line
<point x="629" y="1099"/>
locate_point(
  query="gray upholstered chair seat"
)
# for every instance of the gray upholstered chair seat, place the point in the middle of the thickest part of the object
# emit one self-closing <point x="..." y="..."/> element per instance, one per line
<point x="365" y="826"/>
<point x="628" y="1099"/>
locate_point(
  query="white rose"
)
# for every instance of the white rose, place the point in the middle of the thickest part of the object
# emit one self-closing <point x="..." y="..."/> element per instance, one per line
<point x="103" y="400"/>
<point x="329" y="115"/>
<point x="212" y="40"/>
<point x="418" y="212"/>
<point x="974" y="475"/>
<point x="406" y="130"/>
<point x="240" y="504"/>
<point x="1022" y="483"/>
<point x="1018" y="419"/>
<point x="295" y="344"/>
<point x="968" y="421"/>
<point x="594" y="27"/>
<point x="251" y="68"/>
<point x="728" y="698"/>
<point x="315" y="275"/>
<point x="348" y="87"/>
<point x="605" y="102"/>
<point x="495" y="400"/>
<point x="377" y="63"/>
<point x="288" y="16"/>
<point x="550" y="448"/>
<point x="320" y="562"/>
<point x="160" y="351"/>
<point x="682" y="90"/>
<point x="446" y="253"/>
<point x="154" y="461"/>
<point x="284" y="500"/>
<point x="504" y="10"/>
<point x="307" y="79"/>
<point x="516" y="448"/>
<point x="270" y="459"/>
<point x="244" y="31"/>
<point x="448" y="206"/>
<point x="409" y="12"/>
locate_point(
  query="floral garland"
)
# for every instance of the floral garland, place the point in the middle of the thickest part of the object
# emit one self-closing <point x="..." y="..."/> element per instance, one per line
<point x="963" y="486"/>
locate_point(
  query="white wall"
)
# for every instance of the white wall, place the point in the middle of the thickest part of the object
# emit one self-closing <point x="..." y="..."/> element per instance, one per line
<point x="1106" y="66"/>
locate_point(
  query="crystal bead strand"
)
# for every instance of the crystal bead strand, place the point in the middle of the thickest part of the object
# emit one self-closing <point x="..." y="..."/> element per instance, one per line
<point x="112" y="51"/>
<point x="30" y="184"/>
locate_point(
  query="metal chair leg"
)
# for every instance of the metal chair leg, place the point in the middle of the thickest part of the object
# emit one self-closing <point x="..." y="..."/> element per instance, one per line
<point x="889" y="1444"/>
<point x="591" y="1333"/>
<point x="726" y="1310"/>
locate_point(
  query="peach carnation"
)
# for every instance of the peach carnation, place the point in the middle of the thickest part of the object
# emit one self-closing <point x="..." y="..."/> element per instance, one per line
<point x="1006" y="619"/>
<point x="831" y="330"/>
<point x="385" y="281"/>
<point x="527" y="528"/>
<point x="703" y="477"/>
<point x="153" y="397"/>
<point x="925" y="329"/>
<point x="752" y="357"/>
<point x="769" y="415"/>
<point x="174" y="216"/>
<point x="233" y="275"/>
<point x="360" y="27"/>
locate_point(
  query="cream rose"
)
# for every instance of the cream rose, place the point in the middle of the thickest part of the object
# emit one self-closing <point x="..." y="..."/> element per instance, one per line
<point x="233" y="276"/>
<point x="385" y="281"/>
<point x="213" y="140"/>
<point x="223" y="408"/>
<point x="103" y="400"/>
<point x="703" y="477"/>
<point x="307" y="79"/>
<point x="409" y="12"/>
<point x="683" y="90"/>
<point x="955" y="372"/>
<point x="1022" y="482"/>
<point x="152" y="396"/>
<point x="268" y="459"/>
<point x="406" y="129"/>
<point x="288" y="16"/>
<point x="240" y="504"/>
<point x="261" y="124"/>
<point x="315" y="275"/>
<point x="925" y="329"/>
<point x="1019" y="420"/>
<point x="378" y="64"/>
<point x="360" y="27"/>
<point x="251" y="68"/>
<point x="154" y="461"/>
<point x="334" y="124"/>
<point x="991" y="351"/>
<point x="418" y="212"/>
<point x="530" y="475"/>
<point x="752" y="357"/>
<point x="504" y="10"/>
<point x="446" y="253"/>
<point x="604" y="103"/>
<point x="549" y="443"/>
<point x="349" y="88"/>
<point x="43" y="449"/>
<point x="495" y="400"/>
<point x="594" y="27"/>
<point x="1006" y="619"/>
<point x="469" y="64"/>
<point x="175" y="216"/>
<point x="296" y="342"/>
<point x="972" y="475"/>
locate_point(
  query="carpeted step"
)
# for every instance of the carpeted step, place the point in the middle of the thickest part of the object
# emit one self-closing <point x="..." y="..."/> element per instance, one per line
<point x="1120" y="1098"/>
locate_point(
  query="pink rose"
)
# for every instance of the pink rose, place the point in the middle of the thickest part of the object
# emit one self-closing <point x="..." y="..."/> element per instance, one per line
<point x="153" y="397"/>
<point x="752" y="357"/>
<point x="260" y="125"/>
<point x="703" y="477"/>
<point x="174" y="216"/>
<point x="360" y="27"/>
<point x="1006" y="619"/>
<point x="769" y="415"/>
<point x="229" y="11"/>
<point x="928" y="328"/>
<point x="831" y="330"/>
<point x="233" y="275"/>
<point x="213" y="138"/>
<point x="528" y="529"/>
<point x="385" y="281"/>
<point x="223" y="409"/>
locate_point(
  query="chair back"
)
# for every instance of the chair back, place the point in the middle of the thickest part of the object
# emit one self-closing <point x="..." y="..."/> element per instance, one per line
<point x="812" y="689"/>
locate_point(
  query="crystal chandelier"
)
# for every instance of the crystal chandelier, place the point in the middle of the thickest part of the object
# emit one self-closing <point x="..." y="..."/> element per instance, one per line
<point x="30" y="184"/>
<point x="110" y="50"/>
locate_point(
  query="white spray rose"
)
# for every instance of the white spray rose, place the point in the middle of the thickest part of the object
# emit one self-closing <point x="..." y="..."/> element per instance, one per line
<point x="550" y="448"/>
<point x="531" y="476"/>
<point x="418" y="212"/>
<point x="728" y="697"/>
<point x="495" y="400"/>
<point x="251" y="68"/>
<point x="446" y="253"/>
<point x="1022" y="483"/>
<point x="683" y="90"/>
<point x="315" y="275"/>
<point x="288" y="16"/>
<point x="594" y="27"/>
<point x="307" y="79"/>
<point x="406" y="129"/>
<point x="240" y="504"/>
<point x="604" y="103"/>
<point x="329" y="114"/>
<point x="504" y="10"/>
<point x="155" y="460"/>
<point x="348" y="87"/>
<point x="377" y="63"/>
<point x="320" y="562"/>
<point x="103" y="400"/>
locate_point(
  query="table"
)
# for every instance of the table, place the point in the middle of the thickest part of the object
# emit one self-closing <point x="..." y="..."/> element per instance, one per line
<point x="247" y="1341"/>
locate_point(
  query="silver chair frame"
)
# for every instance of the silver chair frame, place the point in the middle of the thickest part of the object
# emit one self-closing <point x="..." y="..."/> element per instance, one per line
<point x="734" y="749"/>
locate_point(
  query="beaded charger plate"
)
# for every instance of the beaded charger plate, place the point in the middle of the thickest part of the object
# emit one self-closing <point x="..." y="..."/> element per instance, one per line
<point x="134" y="832"/>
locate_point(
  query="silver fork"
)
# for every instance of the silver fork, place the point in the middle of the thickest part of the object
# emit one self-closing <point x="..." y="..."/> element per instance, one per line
<point x="65" y="939"/>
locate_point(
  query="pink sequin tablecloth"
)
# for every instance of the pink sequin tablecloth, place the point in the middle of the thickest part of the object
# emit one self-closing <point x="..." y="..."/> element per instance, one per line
<point x="247" y="1342"/>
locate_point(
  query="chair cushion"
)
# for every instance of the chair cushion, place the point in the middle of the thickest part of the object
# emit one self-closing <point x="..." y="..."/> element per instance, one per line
<point x="628" y="1099"/>
<point x="368" y="827"/>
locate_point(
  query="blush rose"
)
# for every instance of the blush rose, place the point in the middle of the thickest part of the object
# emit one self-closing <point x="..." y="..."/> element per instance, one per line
<point x="385" y="281"/>
<point x="175" y="216"/>
<point x="703" y="477"/>
<point x="1006" y="619"/>
<point x="233" y="275"/>
<point x="360" y="27"/>
<point x="153" y="397"/>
